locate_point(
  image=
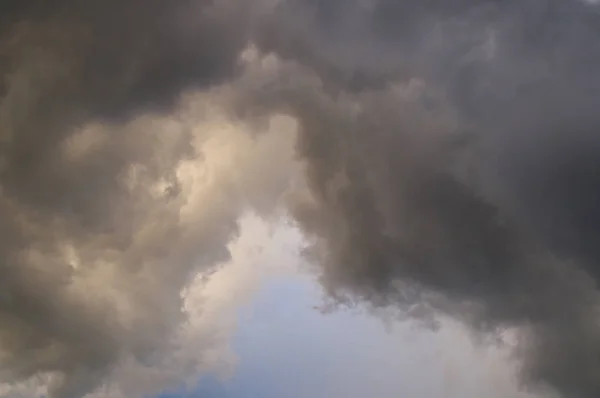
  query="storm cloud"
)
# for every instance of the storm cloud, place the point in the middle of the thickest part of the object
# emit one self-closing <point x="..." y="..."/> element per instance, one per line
<point x="448" y="153"/>
<point x="458" y="174"/>
<point x="115" y="190"/>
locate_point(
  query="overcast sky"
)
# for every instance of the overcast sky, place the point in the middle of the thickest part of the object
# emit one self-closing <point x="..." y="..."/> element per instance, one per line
<point x="183" y="182"/>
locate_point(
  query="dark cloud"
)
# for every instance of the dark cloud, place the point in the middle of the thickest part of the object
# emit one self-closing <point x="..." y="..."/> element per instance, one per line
<point x="449" y="150"/>
<point x="459" y="171"/>
<point x="95" y="247"/>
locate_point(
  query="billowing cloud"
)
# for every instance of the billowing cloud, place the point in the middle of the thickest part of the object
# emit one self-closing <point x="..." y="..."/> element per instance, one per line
<point x="201" y="343"/>
<point x="116" y="192"/>
<point x="448" y="151"/>
<point x="457" y="174"/>
<point x="105" y="229"/>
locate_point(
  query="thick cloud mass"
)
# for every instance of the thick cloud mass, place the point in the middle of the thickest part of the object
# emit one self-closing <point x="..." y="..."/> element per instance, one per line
<point x="449" y="150"/>
<point x="459" y="172"/>
<point x="114" y="191"/>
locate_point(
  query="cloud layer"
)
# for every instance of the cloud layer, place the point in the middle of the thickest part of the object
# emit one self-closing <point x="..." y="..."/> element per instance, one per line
<point x="448" y="151"/>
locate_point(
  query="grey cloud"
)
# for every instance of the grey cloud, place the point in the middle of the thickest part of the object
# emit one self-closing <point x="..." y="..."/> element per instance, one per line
<point x="449" y="151"/>
<point x="69" y="62"/>
<point x="97" y="236"/>
<point x="474" y="195"/>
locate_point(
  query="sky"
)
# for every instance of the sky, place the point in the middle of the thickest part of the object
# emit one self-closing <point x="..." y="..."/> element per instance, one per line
<point x="352" y="356"/>
<point x="299" y="198"/>
<point x="286" y="346"/>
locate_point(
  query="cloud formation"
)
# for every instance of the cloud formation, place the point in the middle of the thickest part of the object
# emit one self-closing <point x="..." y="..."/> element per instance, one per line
<point x="448" y="150"/>
<point x="115" y="192"/>
<point x="107" y="218"/>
